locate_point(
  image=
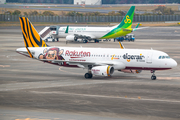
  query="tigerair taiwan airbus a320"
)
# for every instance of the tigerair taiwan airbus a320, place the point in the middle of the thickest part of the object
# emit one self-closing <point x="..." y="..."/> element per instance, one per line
<point x="97" y="61"/>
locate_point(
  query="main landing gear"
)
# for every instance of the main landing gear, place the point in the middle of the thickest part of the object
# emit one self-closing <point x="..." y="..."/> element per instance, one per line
<point x="89" y="74"/>
<point x="153" y="77"/>
<point x="96" y="41"/>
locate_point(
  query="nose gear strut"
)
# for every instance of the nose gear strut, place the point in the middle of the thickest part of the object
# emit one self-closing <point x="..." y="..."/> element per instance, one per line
<point x="153" y="77"/>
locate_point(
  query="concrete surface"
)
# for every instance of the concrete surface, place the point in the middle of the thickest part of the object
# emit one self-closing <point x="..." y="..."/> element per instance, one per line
<point x="33" y="90"/>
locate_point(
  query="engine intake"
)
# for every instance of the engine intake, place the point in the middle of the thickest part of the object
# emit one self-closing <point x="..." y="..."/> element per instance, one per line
<point x="70" y="37"/>
<point x="102" y="70"/>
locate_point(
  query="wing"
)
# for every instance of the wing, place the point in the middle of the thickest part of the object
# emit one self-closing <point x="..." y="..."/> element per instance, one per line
<point x="85" y="64"/>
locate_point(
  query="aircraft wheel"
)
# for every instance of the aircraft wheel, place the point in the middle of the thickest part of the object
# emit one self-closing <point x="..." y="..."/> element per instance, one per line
<point x="87" y="75"/>
<point x="53" y="40"/>
<point x="85" y="41"/>
<point x="46" y="40"/>
<point x="153" y="77"/>
<point x="75" y="39"/>
<point x="90" y="75"/>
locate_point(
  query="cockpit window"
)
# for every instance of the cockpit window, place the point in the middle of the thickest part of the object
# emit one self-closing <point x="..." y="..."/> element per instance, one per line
<point x="164" y="57"/>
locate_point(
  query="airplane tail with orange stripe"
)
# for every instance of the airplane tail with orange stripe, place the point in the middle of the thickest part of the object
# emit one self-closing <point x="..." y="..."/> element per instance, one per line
<point x="30" y="35"/>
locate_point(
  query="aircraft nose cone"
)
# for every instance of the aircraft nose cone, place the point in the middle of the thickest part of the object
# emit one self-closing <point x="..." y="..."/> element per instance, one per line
<point x="173" y="63"/>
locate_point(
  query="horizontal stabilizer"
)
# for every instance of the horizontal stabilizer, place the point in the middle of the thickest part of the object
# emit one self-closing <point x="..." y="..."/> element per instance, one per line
<point x="139" y="28"/>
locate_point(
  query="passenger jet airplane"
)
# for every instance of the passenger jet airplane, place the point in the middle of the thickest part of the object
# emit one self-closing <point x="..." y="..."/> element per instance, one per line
<point x="94" y="33"/>
<point x="97" y="61"/>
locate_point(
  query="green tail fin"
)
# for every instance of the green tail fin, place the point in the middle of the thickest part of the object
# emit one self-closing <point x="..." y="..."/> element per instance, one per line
<point x="67" y="29"/>
<point x="128" y="19"/>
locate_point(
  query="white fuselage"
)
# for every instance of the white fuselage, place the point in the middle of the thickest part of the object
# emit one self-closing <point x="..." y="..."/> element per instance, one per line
<point x="137" y="59"/>
<point x="93" y="32"/>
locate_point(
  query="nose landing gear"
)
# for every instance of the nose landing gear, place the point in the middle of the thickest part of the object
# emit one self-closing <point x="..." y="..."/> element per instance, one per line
<point x="153" y="77"/>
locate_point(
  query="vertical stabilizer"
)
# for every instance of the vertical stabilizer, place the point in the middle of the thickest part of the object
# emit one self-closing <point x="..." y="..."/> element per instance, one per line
<point x="128" y="19"/>
<point x="30" y="35"/>
<point x="123" y="28"/>
<point x="67" y="29"/>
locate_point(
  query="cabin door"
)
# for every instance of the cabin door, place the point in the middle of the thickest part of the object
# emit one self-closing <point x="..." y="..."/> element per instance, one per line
<point x="149" y="57"/>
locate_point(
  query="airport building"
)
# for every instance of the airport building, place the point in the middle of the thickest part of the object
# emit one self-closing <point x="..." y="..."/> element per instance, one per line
<point x="42" y="1"/>
<point x="94" y="2"/>
<point x="87" y="2"/>
<point x="76" y="2"/>
<point x="2" y="1"/>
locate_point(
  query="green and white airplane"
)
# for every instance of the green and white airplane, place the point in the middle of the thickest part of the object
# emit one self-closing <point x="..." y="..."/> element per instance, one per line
<point x="94" y="33"/>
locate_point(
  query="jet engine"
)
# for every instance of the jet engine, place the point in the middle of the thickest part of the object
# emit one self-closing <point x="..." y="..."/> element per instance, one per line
<point x="102" y="70"/>
<point x="71" y="37"/>
<point x="130" y="71"/>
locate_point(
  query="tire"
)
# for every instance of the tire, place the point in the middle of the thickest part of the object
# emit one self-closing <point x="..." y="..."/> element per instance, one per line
<point x="53" y="40"/>
<point x="96" y="41"/>
<point x="46" y="40"/>
<point x="75" y="39"/>
<point x="90" y="75"/>
<point x="87" y="75"/>
<point x="85" y="41"/>
<point x="153" y="77"/>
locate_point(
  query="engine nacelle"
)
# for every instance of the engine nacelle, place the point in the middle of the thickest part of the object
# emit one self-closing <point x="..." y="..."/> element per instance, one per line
<point x="70" y="37"/>
<point x="102" y="70"/>
<point x="130" y="71"/>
